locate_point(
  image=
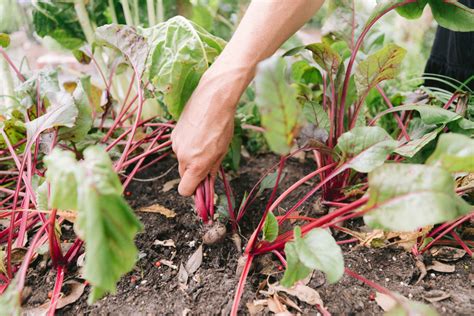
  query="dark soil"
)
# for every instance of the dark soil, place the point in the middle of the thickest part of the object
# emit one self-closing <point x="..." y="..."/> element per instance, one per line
<point x="149" y="289"/>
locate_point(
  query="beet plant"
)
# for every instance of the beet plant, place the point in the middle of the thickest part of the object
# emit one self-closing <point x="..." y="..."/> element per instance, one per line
<point x="394" y="181"/>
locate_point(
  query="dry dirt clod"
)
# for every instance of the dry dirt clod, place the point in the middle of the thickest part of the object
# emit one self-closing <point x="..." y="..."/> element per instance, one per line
<point x="214" y="234"/>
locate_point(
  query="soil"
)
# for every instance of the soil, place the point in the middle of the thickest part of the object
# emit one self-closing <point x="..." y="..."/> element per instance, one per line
<point x="151" y="289"/>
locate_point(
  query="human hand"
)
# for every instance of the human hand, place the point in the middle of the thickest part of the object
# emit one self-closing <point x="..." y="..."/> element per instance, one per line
<point x="205" y="129"/>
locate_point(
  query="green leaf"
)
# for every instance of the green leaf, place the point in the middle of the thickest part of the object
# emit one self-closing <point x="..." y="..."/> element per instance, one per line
<point x="62" y="112"/>
<point x="105" y="222"/>
<point x="365" y="148"/>
<point x="405" y="197"/>
<point x="47" y="81"/>
<point x="303" y="72"/>
<point x="453" y="15"/>
<point x="454" y="153"/>
<point x="381" y="65"/>
<point x="181" y="51"/>
<point x="433" y="115"/>
<point x="4" y="40"/>
<point x="315" y="114"/>
<point x="15" y="130"/>
<point x="411" y="148"/>
<point x="269" y="181"/>
<point x="64" y="177"/>
<point x="412" y="10"/>
<point x="83" y="122"/>
<point x="295" y="269"/>
<point x="278" y="105"/>
<point x="128" y="41"/>
<point x="326" y="57"/>
<point x="270" y="228"/>
<point x="316" y="250"/>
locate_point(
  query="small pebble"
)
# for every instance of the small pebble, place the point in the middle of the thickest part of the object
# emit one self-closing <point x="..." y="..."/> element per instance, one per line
<point x="394" y="258"/>
<point x="143" y="282"/>
<point x="387" y="279"/>
<point x="410" y="296"/>
<point x="433" y="275"/>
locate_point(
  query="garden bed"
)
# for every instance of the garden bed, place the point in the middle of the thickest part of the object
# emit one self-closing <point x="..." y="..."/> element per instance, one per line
<point x="149" y="289"/>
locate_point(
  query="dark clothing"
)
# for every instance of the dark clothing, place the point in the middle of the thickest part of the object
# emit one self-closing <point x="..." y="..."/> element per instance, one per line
<point x="452" y="55"/>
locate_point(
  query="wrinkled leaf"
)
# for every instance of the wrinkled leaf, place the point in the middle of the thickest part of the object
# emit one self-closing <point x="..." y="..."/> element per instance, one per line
<point x="128" y="41"/>
<point x="365" y="148"/>
<point x="278" y="105"/>
<point x="454" y="152"/>
<point x="62" y="112"/>
<point x="405" y="197"/>
<point x="270" y="228"/>
<point x="181" y="51"/>
<point x="381" y="65"/>
<point x="315" y="114"/>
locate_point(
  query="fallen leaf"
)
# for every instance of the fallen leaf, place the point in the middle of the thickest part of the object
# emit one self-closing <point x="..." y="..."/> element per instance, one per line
<point x="157" y="208"/>
<point x="165" y="243"/>
<point x="436" y="296"/>
<point x="441" y="267"/>
<point x="384" y="301"/>
<point x="288" y="302"/>
<point x="256" y="307"/>
<point x="169" y="263"/>
<point x="275" y="306"/>
<point x="182" y="275"/>
<point x="194" y="262"/>
<point x="18" y="254"/>
<point x="303" y="292"/>
<point x="447" y="254"/>
<point x="169" y="185"/>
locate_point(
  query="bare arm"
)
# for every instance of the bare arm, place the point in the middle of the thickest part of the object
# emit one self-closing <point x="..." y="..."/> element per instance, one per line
<point x="205" y="128"/>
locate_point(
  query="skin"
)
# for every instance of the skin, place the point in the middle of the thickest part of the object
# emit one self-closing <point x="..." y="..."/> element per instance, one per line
<point x="203" y="133"/>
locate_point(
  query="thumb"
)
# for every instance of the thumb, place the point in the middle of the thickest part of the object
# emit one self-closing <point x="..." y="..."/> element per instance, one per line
<point x="189" y="182"/>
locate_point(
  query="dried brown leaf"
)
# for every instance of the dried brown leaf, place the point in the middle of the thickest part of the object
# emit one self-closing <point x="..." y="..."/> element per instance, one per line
<point x="169" y="263"/>
<point x="169" y="185"/>
<point x="195" y="261"/>
<point x="441" y="267"/>
<point x="384" y="301"/>
<point x="158" y="208"/>
<point x="447" y="254"/>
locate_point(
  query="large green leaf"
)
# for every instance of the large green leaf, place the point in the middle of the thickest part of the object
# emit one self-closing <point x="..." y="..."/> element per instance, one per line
<point x="316" y="250"/>
<point x="381" y="65"/>
<point x="454" y="153"/>
<point x="277" y="101"/>
<point x="365" y="148"/>
<point x="105" y="222"/>
<point x="453" y="15"/>
<point x="404" y="197"/>
<point x="59" y="20"/>
<point x="315" y="114"/>
<point x="83" y="122"/>
<point x="181" y="51"/>
<point x="128" y="41"/>
<point x="412" y="10"/>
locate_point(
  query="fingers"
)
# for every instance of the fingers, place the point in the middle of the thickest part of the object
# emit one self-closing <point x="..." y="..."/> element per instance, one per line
<point x="190" y="180"/>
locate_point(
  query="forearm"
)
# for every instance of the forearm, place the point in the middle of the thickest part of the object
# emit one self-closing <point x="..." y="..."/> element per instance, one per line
<point x="266" y="25"/>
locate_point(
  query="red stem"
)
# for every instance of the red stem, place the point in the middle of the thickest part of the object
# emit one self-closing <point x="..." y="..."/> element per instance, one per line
<point x="240" y="286"/>
<point x="57" y="290"/>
